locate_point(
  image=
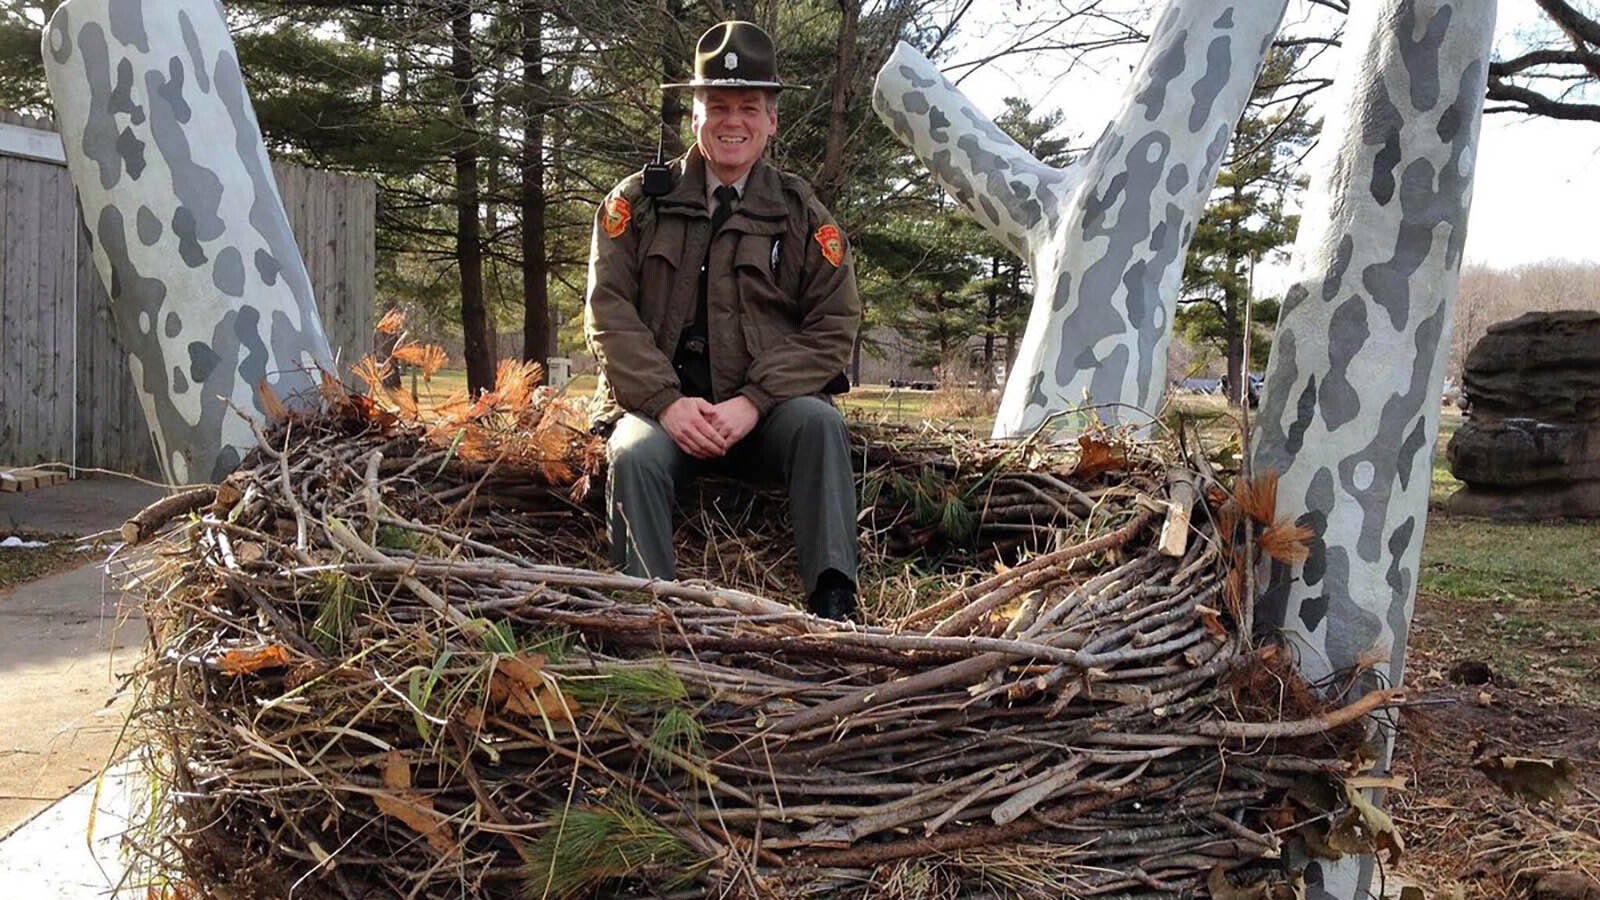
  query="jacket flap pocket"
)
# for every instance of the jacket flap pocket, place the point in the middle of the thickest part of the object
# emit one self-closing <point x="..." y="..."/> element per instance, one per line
<point x="756" y="251"/>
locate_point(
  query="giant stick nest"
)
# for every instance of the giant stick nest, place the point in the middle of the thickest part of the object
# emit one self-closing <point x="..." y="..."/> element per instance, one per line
<point x="387" y="660"/>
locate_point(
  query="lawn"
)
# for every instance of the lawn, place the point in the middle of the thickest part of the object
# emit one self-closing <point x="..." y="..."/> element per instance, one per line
<point x="23" y="564"/>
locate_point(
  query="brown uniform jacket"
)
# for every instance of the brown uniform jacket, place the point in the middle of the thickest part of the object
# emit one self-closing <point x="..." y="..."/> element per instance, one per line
<point x="782" y="314"/>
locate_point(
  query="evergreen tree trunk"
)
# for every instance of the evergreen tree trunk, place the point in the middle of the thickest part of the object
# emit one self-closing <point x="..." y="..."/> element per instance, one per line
<point x="830" y="177"/>
<point x="991" y="322"/>
<point x="1232" y="328"/>
<point x="674" y="70"/>
<point x="469" y="247"/>
<point x="536" y="328"/>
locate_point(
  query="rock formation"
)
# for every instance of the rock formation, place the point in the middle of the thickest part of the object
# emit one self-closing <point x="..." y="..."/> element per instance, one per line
<point x="1531" y="449"/>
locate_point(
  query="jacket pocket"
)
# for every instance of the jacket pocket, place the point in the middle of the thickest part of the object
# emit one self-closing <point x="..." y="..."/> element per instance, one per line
<point x="657" y="276"/>
<point x="769" y="313"/>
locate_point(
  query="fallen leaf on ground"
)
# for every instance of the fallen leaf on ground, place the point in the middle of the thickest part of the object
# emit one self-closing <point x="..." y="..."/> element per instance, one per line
<point x="1534" y="780"/>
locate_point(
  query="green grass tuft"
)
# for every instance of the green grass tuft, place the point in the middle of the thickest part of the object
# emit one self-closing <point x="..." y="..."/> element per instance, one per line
<point x="634" y="688"/>
<point x="677" y="734"/>
<point x="390" y="537"/>
<point x="340" y="599"/>
<point x="589" y="845"/>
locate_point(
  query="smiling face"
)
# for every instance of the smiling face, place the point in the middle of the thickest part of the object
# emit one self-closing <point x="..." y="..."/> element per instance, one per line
<point x="733" y="126"/>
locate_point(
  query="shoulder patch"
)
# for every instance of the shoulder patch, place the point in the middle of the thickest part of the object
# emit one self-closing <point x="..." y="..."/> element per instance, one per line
<point x="832" y="243"/>
<point x="614" y="219"/>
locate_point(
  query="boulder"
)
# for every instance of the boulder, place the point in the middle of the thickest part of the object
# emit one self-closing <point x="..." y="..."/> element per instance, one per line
<point x="1531" y="448"/>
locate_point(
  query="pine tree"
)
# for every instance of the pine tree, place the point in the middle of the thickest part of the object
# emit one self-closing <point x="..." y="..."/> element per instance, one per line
<point x="1248" y="220"/>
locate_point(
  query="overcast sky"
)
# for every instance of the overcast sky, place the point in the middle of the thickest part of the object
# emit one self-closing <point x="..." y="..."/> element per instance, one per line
<point x="1538" y="180"/>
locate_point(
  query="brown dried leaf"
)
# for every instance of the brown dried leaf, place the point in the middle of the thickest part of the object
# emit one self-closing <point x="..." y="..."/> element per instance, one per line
<point x="1096" y="456"/>
<point x="546" y="704"/>
<point x="252" y="660"/>
<point x="228" y="494"/>
<point x="393" y="322"/>
<point x="1212" y="620"/>
<point x="1364" y="828"/>
<point x="1535" y="780"/>
<point x="517" y="687"/>
<point x="1281" y="818"/>
<point x="271" y="406"/>
<point x="411" y="807"/>
<point x="430" y="358"/>
<point x="1285" y="542"/>
<point x="523" y="670"/>
<point x="396" y="774"/>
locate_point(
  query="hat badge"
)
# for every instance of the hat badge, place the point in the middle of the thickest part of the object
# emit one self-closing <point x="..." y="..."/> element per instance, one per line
<point x="731" y="61"/>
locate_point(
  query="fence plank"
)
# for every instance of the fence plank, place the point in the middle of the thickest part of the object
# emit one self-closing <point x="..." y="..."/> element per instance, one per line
<point x="10" y="360"/>
<point x="20" y="280"/>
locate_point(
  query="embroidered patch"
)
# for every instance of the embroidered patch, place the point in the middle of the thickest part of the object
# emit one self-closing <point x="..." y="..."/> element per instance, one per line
<point x="832" y="243"/>
<point x="616" y="215"/>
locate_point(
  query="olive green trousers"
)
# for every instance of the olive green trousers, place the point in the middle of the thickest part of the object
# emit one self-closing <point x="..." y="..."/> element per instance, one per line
<point x="801" y="443"/>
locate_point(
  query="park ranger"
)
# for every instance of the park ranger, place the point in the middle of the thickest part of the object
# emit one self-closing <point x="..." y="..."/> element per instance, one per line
<point x="722" y="308"/>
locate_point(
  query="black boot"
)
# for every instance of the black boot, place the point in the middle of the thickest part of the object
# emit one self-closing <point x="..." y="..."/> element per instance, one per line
<point x="834" y="598"/>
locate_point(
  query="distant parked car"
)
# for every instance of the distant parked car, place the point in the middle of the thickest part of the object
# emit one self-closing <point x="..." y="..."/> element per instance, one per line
<point x="1201" y="385"/>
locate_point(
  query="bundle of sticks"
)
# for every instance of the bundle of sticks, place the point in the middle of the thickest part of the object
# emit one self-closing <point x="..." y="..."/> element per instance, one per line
<point x="383" y="666"/>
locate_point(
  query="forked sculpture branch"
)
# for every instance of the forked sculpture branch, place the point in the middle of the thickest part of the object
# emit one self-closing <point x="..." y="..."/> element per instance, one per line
<point x="1104" y="237"/>
<point x="208" y="289"/>
<point x="1350" y="410"/>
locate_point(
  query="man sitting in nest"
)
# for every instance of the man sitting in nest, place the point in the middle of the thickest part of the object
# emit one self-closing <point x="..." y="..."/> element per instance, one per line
<point x="722" y="308"/>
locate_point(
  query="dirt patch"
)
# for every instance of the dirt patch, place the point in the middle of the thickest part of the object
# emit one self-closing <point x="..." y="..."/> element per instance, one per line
<point x="1519" y="674"/>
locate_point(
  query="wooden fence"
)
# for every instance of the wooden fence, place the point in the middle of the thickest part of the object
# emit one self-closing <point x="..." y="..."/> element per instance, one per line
<point x="66" y="392"/>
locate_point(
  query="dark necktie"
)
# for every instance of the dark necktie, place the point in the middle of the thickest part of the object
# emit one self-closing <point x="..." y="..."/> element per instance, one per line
<point x="726" y="197"/>
<point x="693" y="359"/>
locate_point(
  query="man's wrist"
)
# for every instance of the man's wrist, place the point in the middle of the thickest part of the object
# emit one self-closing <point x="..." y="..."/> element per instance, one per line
<point x="658" y="402"/>
<point x="761" y="400"/>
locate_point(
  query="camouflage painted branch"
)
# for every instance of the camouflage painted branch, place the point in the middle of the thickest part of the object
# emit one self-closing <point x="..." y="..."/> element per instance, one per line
<point x="1350" y="411"/>
<point x="1104" y="237"/>
<point x="208" y="288"/>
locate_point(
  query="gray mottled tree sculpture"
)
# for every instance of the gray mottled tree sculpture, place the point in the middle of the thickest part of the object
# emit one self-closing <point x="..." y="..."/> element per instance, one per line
<point x="207" y="286"/>
<point x="1351" y="405"/>
<point x="1104" y="237"/>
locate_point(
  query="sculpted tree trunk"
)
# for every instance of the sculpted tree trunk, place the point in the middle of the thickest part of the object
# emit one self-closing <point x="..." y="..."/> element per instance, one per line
<point x="207" y="286"/>
<point x="1350" y="411"/>
<point x="1105" y="237"/>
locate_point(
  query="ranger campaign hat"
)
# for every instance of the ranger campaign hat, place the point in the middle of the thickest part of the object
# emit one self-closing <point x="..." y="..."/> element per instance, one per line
<point x="735" y="55"/>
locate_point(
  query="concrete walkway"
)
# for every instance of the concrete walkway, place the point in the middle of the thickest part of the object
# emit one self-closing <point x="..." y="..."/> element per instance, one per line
<point x="72" y="851"/>
<point x="66" y="643"/>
